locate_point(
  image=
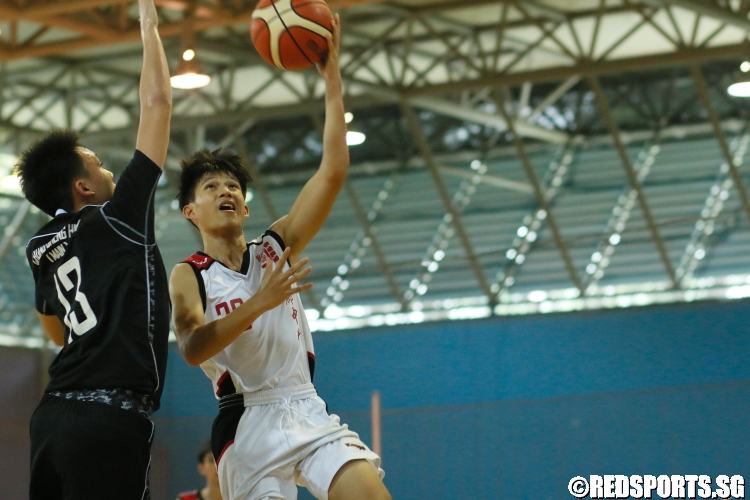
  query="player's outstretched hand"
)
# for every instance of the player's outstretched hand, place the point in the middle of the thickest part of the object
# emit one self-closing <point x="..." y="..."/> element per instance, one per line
<point x="331" y="67"/>
<point x="278" y="285"/>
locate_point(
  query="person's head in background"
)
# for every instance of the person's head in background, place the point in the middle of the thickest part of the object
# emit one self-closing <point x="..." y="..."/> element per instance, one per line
<point x="207" y="465"/>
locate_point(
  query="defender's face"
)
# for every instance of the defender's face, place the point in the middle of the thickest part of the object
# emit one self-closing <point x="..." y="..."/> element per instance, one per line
<point x="100" y="180"/>
<point x="219" y="203"/>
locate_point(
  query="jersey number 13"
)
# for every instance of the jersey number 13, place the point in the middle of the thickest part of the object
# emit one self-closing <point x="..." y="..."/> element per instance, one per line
<point x="71" y="318"/>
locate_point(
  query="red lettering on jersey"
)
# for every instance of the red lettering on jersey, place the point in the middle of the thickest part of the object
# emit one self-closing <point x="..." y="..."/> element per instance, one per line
<point x="294" y="315"/>
<point x="299" y="334"/>
<point x="268" y="250"/>
<point x="221" y="306"/>
<point x="262" y="259"/>
<point x="234" y="303"/>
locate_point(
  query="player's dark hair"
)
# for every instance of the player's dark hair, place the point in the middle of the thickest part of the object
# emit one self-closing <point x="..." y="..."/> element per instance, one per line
<point x="204" y="450"/>
<point x="48" y="168"/>
<point x="203" y="162"/>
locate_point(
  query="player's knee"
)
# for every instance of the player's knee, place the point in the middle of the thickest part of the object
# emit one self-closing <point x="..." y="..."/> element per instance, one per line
<point x="376" y="490"/>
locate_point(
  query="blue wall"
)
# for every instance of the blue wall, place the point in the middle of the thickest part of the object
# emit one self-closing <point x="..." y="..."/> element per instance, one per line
<point x="515" y="407"/>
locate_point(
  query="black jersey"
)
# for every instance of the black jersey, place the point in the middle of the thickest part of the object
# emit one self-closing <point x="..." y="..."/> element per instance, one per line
<point x="99" y="270"/>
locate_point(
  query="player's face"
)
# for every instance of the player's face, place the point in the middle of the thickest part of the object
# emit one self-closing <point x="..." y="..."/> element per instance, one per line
<point x="100" y="180"/>
<point x="219" y="203"/>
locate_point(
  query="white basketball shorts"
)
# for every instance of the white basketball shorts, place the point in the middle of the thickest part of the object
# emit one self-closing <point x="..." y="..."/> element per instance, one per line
<point x="280" y="438"/>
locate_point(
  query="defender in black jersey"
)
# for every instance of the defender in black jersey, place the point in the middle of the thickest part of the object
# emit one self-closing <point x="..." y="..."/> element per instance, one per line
<point x="101" y="292"/>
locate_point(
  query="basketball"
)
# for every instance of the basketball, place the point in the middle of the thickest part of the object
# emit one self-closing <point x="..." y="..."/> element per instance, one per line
<point x="291" y="34"/>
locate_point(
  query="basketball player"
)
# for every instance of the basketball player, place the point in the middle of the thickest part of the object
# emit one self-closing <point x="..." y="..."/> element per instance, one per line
<point x="102" y="293"/>
<point x="237" y="313"/>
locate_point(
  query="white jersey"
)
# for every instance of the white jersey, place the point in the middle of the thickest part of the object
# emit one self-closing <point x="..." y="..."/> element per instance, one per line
<point x="277" y="349"/>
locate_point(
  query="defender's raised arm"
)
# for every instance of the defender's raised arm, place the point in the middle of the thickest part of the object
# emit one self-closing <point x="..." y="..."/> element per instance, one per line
<point x="155" y="89"/>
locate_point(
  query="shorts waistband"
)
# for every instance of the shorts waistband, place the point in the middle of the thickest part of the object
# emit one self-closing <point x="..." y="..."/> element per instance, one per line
<point x="125" y="399"/>
<point x="269" y="396"/>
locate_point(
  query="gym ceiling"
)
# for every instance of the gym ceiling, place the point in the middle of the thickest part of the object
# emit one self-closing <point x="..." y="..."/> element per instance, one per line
<point x="521" y="156"/>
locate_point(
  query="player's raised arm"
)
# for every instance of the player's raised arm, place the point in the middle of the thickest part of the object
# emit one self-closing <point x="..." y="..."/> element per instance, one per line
<point x="310" y="210"/>
<point x="197" y="340"/>
<point x="155" y="90"/>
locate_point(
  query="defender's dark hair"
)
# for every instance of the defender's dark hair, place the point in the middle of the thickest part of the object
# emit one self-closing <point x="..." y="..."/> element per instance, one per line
<point x="195" y="167"/>
<point x="48" y="168"/>
<point x="204" y="450"/>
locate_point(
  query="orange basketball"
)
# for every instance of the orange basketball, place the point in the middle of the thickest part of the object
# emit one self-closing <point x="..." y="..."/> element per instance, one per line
<point x="291" y="34"/>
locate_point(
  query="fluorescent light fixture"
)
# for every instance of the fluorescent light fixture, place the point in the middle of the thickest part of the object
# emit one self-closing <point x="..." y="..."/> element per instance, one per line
<point x="355" y="138"/>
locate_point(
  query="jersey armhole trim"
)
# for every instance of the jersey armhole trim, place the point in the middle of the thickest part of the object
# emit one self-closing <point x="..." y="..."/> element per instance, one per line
<point x="279" y="240"/>
<point x="201" y="285"/>
<point x="276" y="237"/>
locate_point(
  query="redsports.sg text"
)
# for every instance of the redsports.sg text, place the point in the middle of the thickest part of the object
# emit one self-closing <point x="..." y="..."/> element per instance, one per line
<point x="675" y="486"/>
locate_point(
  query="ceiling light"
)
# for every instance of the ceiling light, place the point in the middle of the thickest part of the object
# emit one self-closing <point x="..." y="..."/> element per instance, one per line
<point x="348" y="117"/>
<point x="188" y="55"/>
<point x="740" y="87"/>
<point x="745" y="66"/>
<point x="189" y="76"/>
<point x="10" y="184"/>
<point x="355" y="138"/>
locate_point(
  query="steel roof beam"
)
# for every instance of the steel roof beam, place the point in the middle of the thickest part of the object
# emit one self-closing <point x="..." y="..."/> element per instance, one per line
<point x="433" y="168"/>
<point x="703" y="95"/>
<point x="454" y="110"/>
<point x="708" y="9"/>
<point x="491" y="180"/>
<point x="540" y="195"/>
<point x="377" y="250"/>
<point x="680" y="57"/>
<point x="606" y="114"/>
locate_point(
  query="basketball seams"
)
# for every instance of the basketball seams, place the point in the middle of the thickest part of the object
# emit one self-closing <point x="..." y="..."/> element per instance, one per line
<point x="297" y="50"/>
<point x="286" y="28"/>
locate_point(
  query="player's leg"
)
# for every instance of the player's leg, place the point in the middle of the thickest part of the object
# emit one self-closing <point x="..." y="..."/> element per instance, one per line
<point x="357" y="480"/>
<point x="103" y="452"/>
<point x="45" y="483"/>
<point x="254" y="459"/>
<point x="342" y="469"/>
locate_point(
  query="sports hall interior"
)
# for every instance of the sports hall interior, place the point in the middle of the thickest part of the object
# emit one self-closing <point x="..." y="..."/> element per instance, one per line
<point x="539" y="267"/>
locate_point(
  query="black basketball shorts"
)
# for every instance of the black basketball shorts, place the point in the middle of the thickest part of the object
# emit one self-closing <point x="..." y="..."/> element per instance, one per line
<point x="84" y="450"/>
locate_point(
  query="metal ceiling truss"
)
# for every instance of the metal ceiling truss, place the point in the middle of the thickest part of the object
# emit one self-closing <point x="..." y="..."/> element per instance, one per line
<point x="425" y="82"/>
